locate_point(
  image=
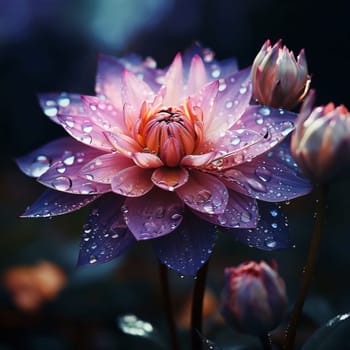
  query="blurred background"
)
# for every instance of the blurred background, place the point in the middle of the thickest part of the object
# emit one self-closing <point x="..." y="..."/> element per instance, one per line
<point x="52" y="45"/>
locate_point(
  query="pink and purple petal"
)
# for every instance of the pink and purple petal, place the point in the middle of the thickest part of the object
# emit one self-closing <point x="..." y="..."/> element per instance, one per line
<point x="52" y="203"/>
<point x="132" y="181"/>
<point x="103" y="168"/>
<point x="241" y="212"/>
<point x="234" y="94"/>
<point x="55" y="103"/>
<point x="105" y="235"/>
<point x="187" y="248"/>
<point x="108" y="80"/>
<point x="197" y="76"/>
<point x="154" y="215"/>
<point x="147" y="160"/>
<point x="272" y="177"/>
<point x="204" y="193"/>
<point x="271" y="232"/>
<point x="37" y="162"/>
<point x="86" y="131"/>
<point x="170" y="179"/>
<point x="65" y="175"/>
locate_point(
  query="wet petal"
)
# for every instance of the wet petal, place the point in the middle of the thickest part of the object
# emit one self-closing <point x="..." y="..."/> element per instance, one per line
<point x="37" y="162"/>
<point x="197" y="75"/>
<point x="197" y="160"/>
<point x="65" y="175"/>
<point x="273" y="177"/>
<point x="147" y="160"/>
<point x="108" y="79"/>
<point x="173" y="81"/>
<point x="234" y="94"/>
<point x="169" y="179"/>
<point x="154" y="215"/>
<point x="105" y="235"/>
<point x="271" y="232"/>
<point x="132" y="181"/>
<point x="123" y="143"/>
<point x="187" y="248"/>
<point x="135" y="91"/>
<point x="52" y="203"/>
<point x="55" y="103"/>
<point x="103" y="168"/>
<point x="204" y="193"/>
<point x="241" y="212"/>
<point x="83" y="129"/>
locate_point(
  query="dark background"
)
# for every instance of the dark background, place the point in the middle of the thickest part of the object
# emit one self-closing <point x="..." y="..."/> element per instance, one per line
<point x="52" y="45"/>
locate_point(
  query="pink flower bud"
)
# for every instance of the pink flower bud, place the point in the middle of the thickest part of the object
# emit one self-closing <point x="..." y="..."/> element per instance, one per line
<point x="321" y="141"/>
<point x="278" y="79"/>
<point x="254" y="298"/>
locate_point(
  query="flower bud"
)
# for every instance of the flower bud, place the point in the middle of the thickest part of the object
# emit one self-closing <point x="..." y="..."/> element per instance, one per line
<point x="320" y="143"/>
<point x="278" y="79"/>
<point x="254" y="298"/>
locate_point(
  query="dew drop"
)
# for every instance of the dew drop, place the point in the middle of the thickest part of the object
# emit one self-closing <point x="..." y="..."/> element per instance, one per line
<point x="87" y="188"/>
<point x="40" y="165"/>
<point x="274" y="213"/>
<point x="215" y="73"/>
<point x="61" y="169"/>
<point x="62" y="183"/>
<point x="242" y="90"/>
<point x="70" y="123"/>
<point x="274" y="225"/>
<point x="229" y="104"/>
<point x="176" y="216"/>
<point x="69" y="159"/>
<point x="63" y="101"/>
<point x="92" y="259"/>
<point x="87" y="128"/>
<point x="235" y="141"/>
<point x="265" y="111"/>
<point x="263" y="174"/>
<point x="85" y="138"/>
<point x="287" y="128"/>
<point x="246" y="216"/>
<point x="50" y="111"/>
<point x="150" y="62"/>
<point x="259" y="120"/>
<point x="203" y="196"/>
<point x="271" y="243"/>
<point x="208" y="55"/>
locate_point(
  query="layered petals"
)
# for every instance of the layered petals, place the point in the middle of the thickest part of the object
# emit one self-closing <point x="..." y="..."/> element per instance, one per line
<point x="170" y="179"/>
<point x="147" y="221"/>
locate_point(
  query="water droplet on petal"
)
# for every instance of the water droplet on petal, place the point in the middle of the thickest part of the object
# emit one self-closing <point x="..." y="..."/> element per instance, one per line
<point x="274" y="212"/>
<point x="87" y="128"/>
<point x="50" y="111"/>
<point x="274" y="225"/>
<point x="85" y="138"/>
<point x="69" y="159"/>
<point x="265" y="111"/>
<point x="40" y="165"/>
<point x="263" y="173"/>
<point x="215" y="73"/>
<point x="229" y="104"/>
<point x="242" y="90"/>
<point x="270" y="243"/>
<point x="62" y="183"/>
<point x="92" y="259"/>
<point x="246" y="216"/>
<point x="61" y="169"/>
<point x="87" y="188"/>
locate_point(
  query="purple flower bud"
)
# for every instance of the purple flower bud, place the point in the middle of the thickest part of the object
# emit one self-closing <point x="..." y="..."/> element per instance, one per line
<point x="321" y="141"/>
<point x="279" y="80"/>
<point x="254" y="297"/>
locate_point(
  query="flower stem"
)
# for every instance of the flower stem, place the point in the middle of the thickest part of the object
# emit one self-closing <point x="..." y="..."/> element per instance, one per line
<point x="265" y="342"/>
<point x="164" y="280"/>
<point x="322" y="192"/>
<point x="197" y="307"/>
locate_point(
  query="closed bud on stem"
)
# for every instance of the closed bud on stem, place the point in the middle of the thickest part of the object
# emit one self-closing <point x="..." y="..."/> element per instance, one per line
<point x="320" y="143"/>
<point x="254" y="297"/>
<point x="279" y="80"/>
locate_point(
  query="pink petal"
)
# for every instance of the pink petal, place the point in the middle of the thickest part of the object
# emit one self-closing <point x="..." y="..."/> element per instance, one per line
<point x="55" y="103"/>
<point x="65" y="175"/>
<point x="52" y="203"/>
<point x="198" y="160"/>
<point x="37" y="162"/>
<point x="104" y="114"/>
<point x="103" y="168"/>
<point x="230" y="103"/>
<point x="170" y="179"/>
<point x="241" y="212"/>
<point x="108" y="79"/>
<point x="147" y="160"/>
<point x="272" y="177"/>
<point x="132" y="181"/>
<point x="197" y="75"/>
<point x="123" y="143"/>
<point x="83" y="129"/>
<point x="173" y="81"/>
<point x="135" y="91"/>
<point x="204" y="193"/>
<point x="153" y="215"/>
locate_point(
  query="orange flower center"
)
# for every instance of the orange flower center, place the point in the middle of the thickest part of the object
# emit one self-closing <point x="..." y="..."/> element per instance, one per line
<point x="169" y="133"/>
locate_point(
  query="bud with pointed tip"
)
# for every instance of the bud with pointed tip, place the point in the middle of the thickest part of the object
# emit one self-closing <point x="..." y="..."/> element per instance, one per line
<point x="254" y="297"/>
<point x="320" y="143"/>
<point x="279" y="80"/>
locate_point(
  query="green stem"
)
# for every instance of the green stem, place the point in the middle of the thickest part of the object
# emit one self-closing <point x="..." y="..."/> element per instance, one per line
<point x="322" y="192"/>
<point x="164" y="280"/>
<point x="265" y="342"/>
<point x="197" y="307"/>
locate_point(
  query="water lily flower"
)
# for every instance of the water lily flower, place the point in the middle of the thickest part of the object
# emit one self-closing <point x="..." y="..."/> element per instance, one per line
<point x="321" y="141"/>
<point x="278" y="79"/>
<point x="254" y="298"/>
<point x="167" y="154"/>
